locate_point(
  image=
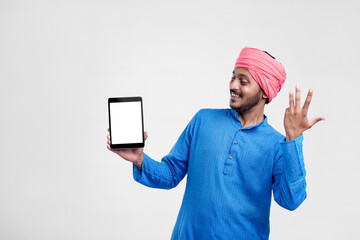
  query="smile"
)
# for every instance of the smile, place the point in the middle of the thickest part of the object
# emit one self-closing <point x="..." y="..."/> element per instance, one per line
<point x="234" y="95"/>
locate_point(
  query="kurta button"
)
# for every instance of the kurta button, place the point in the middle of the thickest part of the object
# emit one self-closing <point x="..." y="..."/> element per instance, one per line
<point x="230" y="157"/>
<point x="235" y="114"/>
<point x="235" y="142"/>
<point x="240" y="130"/>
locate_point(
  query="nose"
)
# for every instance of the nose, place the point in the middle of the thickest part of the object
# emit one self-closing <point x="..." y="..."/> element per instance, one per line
<point x="235" y="84"/>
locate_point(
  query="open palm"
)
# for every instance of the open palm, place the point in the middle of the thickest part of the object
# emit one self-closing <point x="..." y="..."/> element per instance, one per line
<point x="295" y="118"/>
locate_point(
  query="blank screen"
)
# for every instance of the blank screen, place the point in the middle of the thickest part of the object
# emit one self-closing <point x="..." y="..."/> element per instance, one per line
<point x="126" y="122"/>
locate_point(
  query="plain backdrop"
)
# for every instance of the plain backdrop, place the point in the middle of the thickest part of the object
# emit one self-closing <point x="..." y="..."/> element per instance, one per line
<point x="61" y="60"/>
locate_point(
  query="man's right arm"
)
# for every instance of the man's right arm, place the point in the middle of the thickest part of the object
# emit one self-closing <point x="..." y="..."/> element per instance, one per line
<point x="173" y="166"/>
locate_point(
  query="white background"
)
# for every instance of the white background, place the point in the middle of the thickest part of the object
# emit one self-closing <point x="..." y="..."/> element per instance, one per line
<point x="61" y="60"/>
<point x="126" y="122"/>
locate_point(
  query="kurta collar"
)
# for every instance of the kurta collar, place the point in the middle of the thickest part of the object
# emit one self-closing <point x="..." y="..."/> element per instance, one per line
<point x="234" y="115"/>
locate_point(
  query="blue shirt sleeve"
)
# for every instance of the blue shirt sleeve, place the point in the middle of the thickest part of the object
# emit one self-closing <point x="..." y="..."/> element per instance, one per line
<point x="172" y="168"/>
<point x="289" y="184"/>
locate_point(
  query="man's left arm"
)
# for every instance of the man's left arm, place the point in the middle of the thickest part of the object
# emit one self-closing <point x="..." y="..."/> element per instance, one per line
<point x="289" y="185"/>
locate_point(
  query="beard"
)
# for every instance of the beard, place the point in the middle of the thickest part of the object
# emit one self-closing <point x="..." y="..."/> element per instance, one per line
<point x="253" y="101"/>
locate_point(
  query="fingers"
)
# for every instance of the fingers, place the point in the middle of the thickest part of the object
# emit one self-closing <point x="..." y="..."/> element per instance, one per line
<point x="297" y="97"/>
<point x="291" y="101"/>
<point x="146" y="134"/>
<point x="315" y="120"/>
<point x="108" y="141"/>
<point x="307" y="101"/>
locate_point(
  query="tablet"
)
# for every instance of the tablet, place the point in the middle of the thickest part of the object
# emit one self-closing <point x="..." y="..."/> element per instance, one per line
<point x="126" y="124"/>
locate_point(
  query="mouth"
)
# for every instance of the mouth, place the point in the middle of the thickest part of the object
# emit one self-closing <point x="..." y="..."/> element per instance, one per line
<point x="234" y="95"/>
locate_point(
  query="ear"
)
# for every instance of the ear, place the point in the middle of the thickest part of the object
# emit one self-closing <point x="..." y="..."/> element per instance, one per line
<point x="264" y="96"/>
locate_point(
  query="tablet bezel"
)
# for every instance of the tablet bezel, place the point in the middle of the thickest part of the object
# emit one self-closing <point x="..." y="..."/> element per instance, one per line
<point x="127" y="145"/>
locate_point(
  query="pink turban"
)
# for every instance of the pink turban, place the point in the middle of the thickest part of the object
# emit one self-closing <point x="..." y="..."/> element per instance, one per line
<point x="266" y="71"/>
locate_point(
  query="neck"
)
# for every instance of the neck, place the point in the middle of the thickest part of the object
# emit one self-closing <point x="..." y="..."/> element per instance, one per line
<point x="252" y="117"/>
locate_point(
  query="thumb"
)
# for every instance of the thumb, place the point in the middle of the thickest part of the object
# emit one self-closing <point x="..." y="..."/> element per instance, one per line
<point x="146" y="135"/>
<point x="315" y="120"/>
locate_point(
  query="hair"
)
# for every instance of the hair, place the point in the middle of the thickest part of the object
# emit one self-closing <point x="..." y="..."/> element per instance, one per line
<point x="269" y="54"/>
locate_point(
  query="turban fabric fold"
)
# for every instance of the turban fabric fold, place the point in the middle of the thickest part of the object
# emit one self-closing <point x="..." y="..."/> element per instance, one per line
<point x="267" y="71"/>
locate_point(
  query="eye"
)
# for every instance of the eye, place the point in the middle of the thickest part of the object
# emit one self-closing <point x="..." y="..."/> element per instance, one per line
<point x="243" y="82"/>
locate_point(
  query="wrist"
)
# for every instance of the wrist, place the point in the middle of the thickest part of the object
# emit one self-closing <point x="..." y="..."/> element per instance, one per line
<point x="290" y="137"/>
<point x="140" y="161"/>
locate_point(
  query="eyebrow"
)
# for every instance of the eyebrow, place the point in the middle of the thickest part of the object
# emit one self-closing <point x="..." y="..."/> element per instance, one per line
<point x="241" y="75"/>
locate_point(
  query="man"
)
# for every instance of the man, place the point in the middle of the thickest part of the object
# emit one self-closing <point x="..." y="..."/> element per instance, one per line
<point x="234" y="158"/>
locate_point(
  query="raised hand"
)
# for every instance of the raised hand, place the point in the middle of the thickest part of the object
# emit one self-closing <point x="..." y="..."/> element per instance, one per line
<point x="295" y="119"/>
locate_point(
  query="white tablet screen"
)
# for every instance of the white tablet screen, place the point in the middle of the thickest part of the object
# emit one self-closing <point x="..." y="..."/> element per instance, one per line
<point x="126" y="122"/>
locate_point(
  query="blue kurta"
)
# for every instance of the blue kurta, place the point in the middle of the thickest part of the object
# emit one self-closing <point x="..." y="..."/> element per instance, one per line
<point x="231" y="172"/>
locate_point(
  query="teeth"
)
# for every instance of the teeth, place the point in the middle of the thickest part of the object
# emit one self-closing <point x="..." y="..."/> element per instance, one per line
<point x="234" y="95"/>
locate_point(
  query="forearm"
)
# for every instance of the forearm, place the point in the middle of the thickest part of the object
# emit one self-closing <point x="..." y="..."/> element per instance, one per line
<point x="293" y="159"/>
<point x="165" y="174"/>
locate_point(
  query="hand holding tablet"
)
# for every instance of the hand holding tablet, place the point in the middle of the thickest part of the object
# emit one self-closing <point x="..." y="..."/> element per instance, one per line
<point x="134" y="155"/>
<point x="126" y="129"/>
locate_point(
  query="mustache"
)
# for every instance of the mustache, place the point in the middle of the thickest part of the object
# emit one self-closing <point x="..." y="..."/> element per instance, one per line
<point x="238" y="93"/>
